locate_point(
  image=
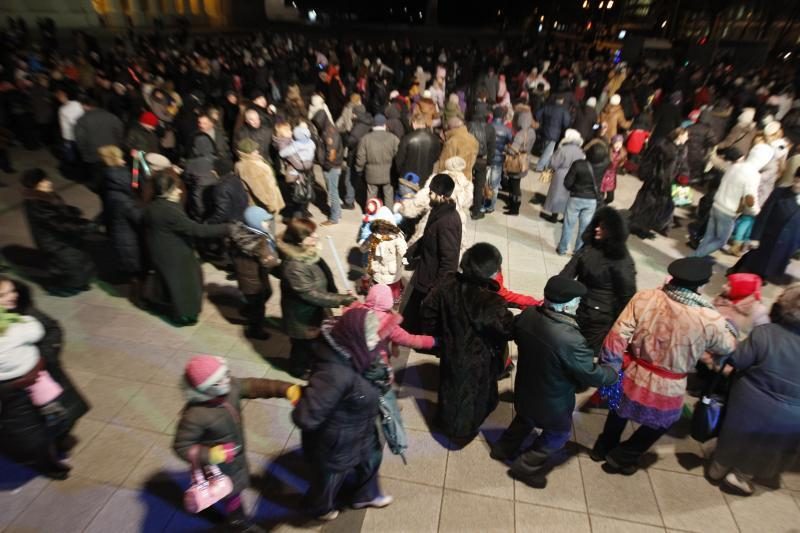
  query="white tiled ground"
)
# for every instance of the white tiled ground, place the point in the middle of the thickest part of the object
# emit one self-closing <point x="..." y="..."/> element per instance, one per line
<point x="127" y="362"/>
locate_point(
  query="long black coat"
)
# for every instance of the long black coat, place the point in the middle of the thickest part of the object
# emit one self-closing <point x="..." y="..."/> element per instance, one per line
<point x="653" y="207"/>
<point x="474" y="324"/>
<point x="337" y="413"/>
<point x="701" y="141"/>
<point x="418" y="152"/>
<point x="24" y="433"/>
<point x="123" y="218"/>
<point x="439" y="247"/>
<point x="554" y="360"/>
<point x="169" y="233"/>
<point x="58" y="230"/>
<point x="585" y="120"/>
<point x="777" y="228"/>
<point x="609" y="273"/>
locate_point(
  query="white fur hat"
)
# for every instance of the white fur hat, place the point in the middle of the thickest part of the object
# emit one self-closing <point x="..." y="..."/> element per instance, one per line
<point x="747" y="115"/>
<point x="572" y="136"/>
<point x="772" y="128"/>
<point x="591" y="101"/>
<point x="615" y="100"/>
<point x="455" y="164"/>
<point x="427" y="94"/>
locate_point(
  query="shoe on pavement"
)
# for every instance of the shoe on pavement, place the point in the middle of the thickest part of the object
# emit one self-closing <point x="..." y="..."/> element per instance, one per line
<point x="736" y="485"/>
<point x="380" y="502"/>
<point x="329" y="516"/>
<point x="612" y="467"/>
<point x="328" y="223"/>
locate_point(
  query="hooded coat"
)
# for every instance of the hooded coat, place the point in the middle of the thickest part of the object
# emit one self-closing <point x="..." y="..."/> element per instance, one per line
<point x="259" y="181"/>
<point x="58" y="230"/>
<point x="608" y="271"/>
<point x="459" y="143"/>
<point x="169" y="234"/>
<point x="653" y="207"/>
<point x="474" y="325"/>
<point x="701" y="140"/>
<point x="585" y="120"/>
<point x="394" y="120"/>
<point x="525" y="137"/>
<point x="614" y="117"/>
<point x="123" y="218"/>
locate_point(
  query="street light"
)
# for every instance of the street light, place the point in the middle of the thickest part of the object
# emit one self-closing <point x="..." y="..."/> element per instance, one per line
<point x="602" y="5"/>
<point x="585" y="4"/>
<point x="610" y="4"/>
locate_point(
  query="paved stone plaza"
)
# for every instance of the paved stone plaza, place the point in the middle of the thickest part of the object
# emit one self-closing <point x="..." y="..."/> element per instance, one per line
<point x="128" y="363"/>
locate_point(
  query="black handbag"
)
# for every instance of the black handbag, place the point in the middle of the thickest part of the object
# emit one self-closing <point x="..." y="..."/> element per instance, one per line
<point x="709" y="411"/>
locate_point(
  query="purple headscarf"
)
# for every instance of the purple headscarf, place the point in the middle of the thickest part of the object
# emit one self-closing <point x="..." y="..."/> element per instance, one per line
<point x="355" y="334"/>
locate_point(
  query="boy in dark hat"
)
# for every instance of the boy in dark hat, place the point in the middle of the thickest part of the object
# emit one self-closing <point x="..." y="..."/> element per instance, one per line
<point x="554" y="359"/>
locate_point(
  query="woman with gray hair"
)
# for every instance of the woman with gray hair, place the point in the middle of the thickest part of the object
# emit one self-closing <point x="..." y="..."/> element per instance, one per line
<point x="760" y="435"/>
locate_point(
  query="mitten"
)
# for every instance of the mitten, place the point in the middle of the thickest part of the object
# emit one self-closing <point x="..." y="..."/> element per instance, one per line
<point x="294" y="393"/>
<point x="221" y="453"/>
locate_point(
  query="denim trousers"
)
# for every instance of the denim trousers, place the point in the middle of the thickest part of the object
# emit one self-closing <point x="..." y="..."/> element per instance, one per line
<point x="349" y="190"/>
<point x="547" y="153"/>
<point x="494" y="177"/>
<point x="718" y="231"/>
<point x="335" y="204"/>
<point x="579" y="211"/>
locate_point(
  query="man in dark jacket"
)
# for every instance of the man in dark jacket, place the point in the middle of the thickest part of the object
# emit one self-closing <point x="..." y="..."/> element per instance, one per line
<point x="502" y="137"/>
<point x="362" y="124"/>
<point x="586" y="119"/>
<point x="96" y="127"/>
<point x="418" y="151"/>
<point x="142" y="135"/>
<point x="483" y="131"/>
<point x="374" y="157"/>
<point x="230" y="197"/>
<point x="583" y="183"/>
<point x="554" y="360"/>
<point x="329" y="155"/>
<point x="554" y="119"/>
<point x="701" y="141"/>
<point x="253" y="128"/>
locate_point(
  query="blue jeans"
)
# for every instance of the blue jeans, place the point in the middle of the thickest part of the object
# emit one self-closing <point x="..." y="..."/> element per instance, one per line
<point x="493" y="179"/>
<point x="332" y="181"/>
<point x="580" y="211"/>
<point x="547" y="153"/>
<point x="744" y="226"/>
<point x="349" y="191"/>
<point x="718" y="231"/>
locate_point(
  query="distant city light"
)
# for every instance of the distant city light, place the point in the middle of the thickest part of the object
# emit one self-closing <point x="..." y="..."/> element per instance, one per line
<point x="541" y="19"/>
<point x="664" y="24"/>
<point x="622" y="34"/>
<point x="610" y="4"/>
<point x="585" y="4"/>
<point x="312" y="16"/>
<point x="420" y="15"/>
<point x="787" y="55"/>
<point x="555" y="24"/>
<point x="589" y="25"/>
<point x="602" y="5"/>
<point x="540" y="28"/>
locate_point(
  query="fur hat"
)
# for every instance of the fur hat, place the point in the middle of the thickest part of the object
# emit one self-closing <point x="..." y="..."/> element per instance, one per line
<point x="442" y="184"/>
<point x="373" y="204"/>
<point x="615" y="100"/>
<point x="385" y="214"/>
<point x="247" y="145"/>
<point x="455" y="164"/>
<point x="786" y="309"/>
<point x="572" y="136"/>
<point x="591" y="101"/>
<point x="157" y="162"/>
<point x="747" y="115"/>
<point x="481" y="260"/>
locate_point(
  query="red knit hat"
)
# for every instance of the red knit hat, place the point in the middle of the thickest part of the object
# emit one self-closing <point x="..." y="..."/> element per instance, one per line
<point x="148" y="118"/>
<point x="743" y="285"/>
<point x="202" y="371"/>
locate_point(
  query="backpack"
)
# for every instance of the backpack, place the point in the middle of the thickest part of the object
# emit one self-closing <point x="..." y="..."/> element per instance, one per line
<point x="477" y="130"/>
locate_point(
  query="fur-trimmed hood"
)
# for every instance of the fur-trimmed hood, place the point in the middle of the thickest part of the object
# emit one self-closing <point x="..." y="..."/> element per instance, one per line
<point x="613" y="245"/>
<point x="786" y="309"/>
<point x="294" y="252"/>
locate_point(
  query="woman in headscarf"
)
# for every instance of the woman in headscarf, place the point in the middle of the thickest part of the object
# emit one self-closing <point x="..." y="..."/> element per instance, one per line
<point x="653" y="207"/>
<point x="569" y="151"/>
<point x="350" y="384"/>
<point x="760" y="433"/>
<point x="474" y="324"/>
<point x="605" y="266"/>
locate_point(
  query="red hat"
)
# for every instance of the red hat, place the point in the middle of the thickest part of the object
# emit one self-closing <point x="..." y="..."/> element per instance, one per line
<point x="202" y="371"/>
<point x="743" y="285"/>
<point x="148" y="118"/>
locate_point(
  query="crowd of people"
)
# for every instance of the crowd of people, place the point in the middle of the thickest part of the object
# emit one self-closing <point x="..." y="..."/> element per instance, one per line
<point x="198" y="147"/>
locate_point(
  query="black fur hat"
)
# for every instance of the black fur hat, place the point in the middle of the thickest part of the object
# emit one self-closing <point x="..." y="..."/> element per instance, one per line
<point x="613" y="245"/>
<point x="481" y="261"/>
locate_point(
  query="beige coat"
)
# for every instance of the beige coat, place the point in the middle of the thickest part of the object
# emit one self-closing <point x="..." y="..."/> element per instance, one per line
<point x="259" y="180"/>
<point x="459" y="143"/>
<point x="614" y="117"/>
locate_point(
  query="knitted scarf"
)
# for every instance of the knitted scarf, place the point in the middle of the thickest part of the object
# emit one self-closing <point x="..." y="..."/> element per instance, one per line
<point x="688" y="297"/>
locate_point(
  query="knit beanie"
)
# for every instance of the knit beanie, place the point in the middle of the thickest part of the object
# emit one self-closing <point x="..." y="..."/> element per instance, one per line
<point x="442" y="184"/>
<point x="255" y="216"/>
<point x="247" y="146"/>
<point x="204" y="377"/>
<point x="148" y="118"/>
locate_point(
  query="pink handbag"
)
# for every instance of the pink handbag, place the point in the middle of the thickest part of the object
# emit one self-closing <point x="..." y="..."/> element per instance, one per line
<point x="44" y="390"/>
<point x="209" y="485"/>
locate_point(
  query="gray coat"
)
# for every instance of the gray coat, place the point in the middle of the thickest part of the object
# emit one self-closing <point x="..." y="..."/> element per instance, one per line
<point x="557" y="194"/>
<point x="760" y="433"/>
<point x="375" y="154"/>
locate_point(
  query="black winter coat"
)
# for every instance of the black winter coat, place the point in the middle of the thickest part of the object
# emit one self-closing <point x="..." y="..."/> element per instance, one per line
<point x="585" y="120"/>
<point x="653" y="207"/>
<point x="474" y="324"/>
<point x="24" y="433"/>
<point x="337" y="413"/>
<point x="96" y="128"/>
<point x="230" y="200"/>
<point x="583" y="178"/>
<point x="330" y="149"/>
<point x="701" y="141"/>
<point x="141" y="139"/>
<point x="200" y="180"/>
<point x="418" y="152"/>
<point x="439" y="248"/>
<point x="262" y="136"/>
<point x="608" y="271"/>
<point x="554" y="360"/>
<point x="169" y="234"/>
<point x="554" y="120"/>
<point x="58" y="230"/>
<point x="123" y="218"/>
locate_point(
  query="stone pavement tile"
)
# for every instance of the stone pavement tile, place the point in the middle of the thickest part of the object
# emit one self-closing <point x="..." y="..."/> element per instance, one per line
<point x="19" y="486"/>
<point x="267" y="428"/>
<point x="112" y="357"/>
<point x="80" y="378"/>
<point x="415" y="509"/>
<point x="564" y="488"/>
<point x="112" y="454"/>
<point x="587" y="428"/>
<point x="603" y="524"/>
<point x="463" y="513"/>
<point x="426" y="460"/>
<point x="132" y="511"/>
<point x="472" y="463"/>
<point x="690" y="502"/>
<point x="420" y="377"/>
<point x="528" y="282"/>
<point x="791" y="480"/>
<point x="684" y="456"/>
<point x="626" y="497"/>
<point x="108" y="395"/>
<point x="259" y="351"/>
<point x="537" y="519"/>
<point x="766" y="510"/>
<point x="499" y="419"/>
<point x="152" y="408"/>
<point x="159" y="469"/>
<point x="85" y="429"/>
<point x="417" y="412"/>
<point x="64" y="506"/>
<point x="213" y="338"/>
